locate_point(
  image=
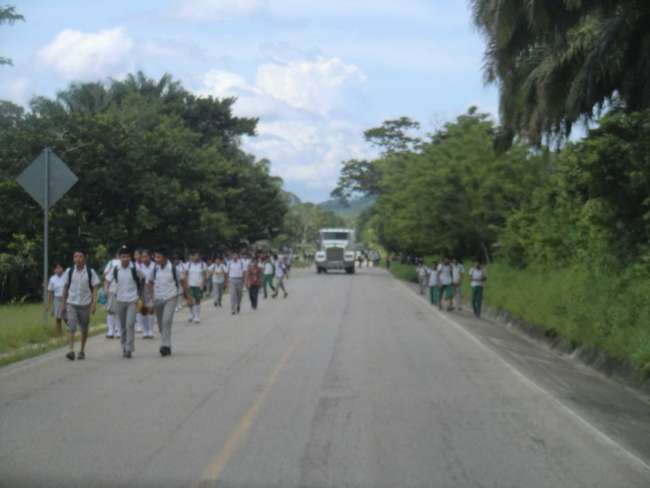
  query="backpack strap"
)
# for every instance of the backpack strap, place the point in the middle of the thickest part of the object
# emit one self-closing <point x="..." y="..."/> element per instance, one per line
<point x="136" y="278"/>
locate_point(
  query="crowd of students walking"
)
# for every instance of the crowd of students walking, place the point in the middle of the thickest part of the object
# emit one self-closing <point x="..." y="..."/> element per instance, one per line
<point x="141" y="288"/>
<point x="443" y="281"/>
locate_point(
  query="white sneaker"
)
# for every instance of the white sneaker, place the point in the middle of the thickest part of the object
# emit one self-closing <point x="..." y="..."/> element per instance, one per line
<point x="197" y="321"/>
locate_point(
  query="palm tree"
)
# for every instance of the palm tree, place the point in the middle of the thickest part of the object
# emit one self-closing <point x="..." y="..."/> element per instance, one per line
<point x="558" y="62"/>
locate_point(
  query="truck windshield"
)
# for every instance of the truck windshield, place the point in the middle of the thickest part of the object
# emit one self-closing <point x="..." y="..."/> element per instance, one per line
<point x="335" y="236"/>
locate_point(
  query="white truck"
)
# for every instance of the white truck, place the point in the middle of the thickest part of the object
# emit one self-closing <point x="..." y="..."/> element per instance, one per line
<point x="336" y="250"/>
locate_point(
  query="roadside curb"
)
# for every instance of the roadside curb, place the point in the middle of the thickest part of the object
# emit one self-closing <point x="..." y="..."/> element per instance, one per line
<point x="612" y="368"/>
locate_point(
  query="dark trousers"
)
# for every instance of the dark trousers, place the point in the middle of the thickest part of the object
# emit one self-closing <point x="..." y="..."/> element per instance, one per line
<point x="253" y="293"/>
<point x="477" y="299"/>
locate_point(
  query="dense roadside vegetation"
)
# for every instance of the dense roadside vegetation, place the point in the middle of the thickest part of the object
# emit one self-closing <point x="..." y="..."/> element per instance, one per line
<point x="156" y="164"/>
<point x="565" y="225"/>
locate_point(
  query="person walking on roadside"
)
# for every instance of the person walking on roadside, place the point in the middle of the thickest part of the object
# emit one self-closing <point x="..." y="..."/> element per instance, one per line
<point x="280" y="271"/>
<point x="434" y="291"/>
<point x="55" y="287"/>
<point x="254" y="281"/>
<point x="269" y="271"/>
<point x="423" y="276"/>
<point x="128" y="285"/>
<point x="79" y="301"/>
<point x="146" y="268"/>
<point x="165" y="283"/>
<point x="478" y="277"/>
<point x="196" y="272"/>
<point x="445" y="283"/>
<point x="235" y="279"/>
<point x="457" y="272"/>
<point x="218" y="273"/>
<point x="109" y="291"/>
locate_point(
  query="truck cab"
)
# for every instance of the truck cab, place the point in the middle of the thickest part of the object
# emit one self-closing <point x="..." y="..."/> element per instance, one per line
<point x="336" y="250"/>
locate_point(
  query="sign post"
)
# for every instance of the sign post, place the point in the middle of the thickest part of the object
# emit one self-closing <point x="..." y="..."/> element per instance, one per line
<point x="47" y="179"/>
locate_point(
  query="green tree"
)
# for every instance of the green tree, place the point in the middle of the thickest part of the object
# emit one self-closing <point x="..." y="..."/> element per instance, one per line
<point x="8" y="15"/>
<point x="559" y="62"/>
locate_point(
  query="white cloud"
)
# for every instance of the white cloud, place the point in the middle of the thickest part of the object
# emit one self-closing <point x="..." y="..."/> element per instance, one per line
<point x="16" y="90"/>
<point x="298" y="102"/>
<point x="310" y="85"/>
<point x="76" y="55"/>
<point x="219" y="10"/>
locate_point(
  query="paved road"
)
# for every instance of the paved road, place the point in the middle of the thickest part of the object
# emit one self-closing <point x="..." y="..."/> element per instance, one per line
<point x="351" y="381"/>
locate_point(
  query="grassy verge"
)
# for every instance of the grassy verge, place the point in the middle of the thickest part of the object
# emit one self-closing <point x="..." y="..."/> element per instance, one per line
<point x="23" y="334"/>
<point x="606" y="311"/>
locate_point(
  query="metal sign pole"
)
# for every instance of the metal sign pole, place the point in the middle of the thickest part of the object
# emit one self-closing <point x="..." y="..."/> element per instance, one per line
<point x="46" y="198"/>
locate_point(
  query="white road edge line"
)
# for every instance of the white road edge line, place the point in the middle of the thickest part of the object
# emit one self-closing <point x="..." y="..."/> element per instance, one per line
<point x="530" y="383"/>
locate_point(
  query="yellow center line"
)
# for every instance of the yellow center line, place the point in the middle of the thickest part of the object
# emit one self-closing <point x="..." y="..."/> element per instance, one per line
<point x="213" y="472"/>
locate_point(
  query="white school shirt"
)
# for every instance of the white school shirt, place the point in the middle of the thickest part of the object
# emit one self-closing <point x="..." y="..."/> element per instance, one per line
<point x="445" y="274"/>
<point x="218" y="273"/>
<point x="246" y="261"/>
<point x="433" y="277"/>
<point x="236" y="269"/>
<point x="195" y="274"/>
<point x="457" y="272"/>
<point x="477" y="276"/>
<point x="108" y="272"/>
<point x="268" y="268"/>
<point x="79" y="293"/>
<point x="279" y="269"/>
<point x="126" y="290"/>
<point x="164" y="286"/>
<point x="147" y="271"/>
<point x="56" y="285"/>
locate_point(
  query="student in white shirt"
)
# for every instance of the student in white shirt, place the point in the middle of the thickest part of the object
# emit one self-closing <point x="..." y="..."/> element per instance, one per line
<point x="457" y="271"/>
<point x="128" y="288"/>
<point x="445" y="282"/>
<point x="269" y="271"/>
<point x="478" y="277"/>
<point x="423" y="276"/>
<point x="146" y="268"/>
<point x="80" y="301"/>
<point x="55" y="292"/>
<point x="196" y="272"/>
<point x="434" y="290"/>
<point x="165" y="284"/>
<point x="109" y="290"/>
<point x="218" y="272"/>
<point x="235" y="277"/>
<point x="280" y="272"/>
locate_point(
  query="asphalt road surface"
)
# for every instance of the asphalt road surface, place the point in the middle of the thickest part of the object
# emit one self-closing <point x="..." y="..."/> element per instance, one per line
<point x="351" y="381"/>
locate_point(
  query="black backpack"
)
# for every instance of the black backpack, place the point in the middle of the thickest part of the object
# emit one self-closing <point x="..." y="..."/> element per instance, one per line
<point x="134" y="274"/>
<point x="155" y="271"/>
<point x="90" y="277"/>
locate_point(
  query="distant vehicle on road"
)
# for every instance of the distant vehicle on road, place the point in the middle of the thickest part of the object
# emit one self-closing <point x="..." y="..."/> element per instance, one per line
<point x="336" y="250"/>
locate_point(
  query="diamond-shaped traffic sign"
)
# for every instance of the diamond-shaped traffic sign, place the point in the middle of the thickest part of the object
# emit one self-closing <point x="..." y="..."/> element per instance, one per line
<point x="47" y="169"/>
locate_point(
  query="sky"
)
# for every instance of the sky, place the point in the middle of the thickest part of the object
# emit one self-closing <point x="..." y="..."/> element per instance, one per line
<point x="316" y="73"/>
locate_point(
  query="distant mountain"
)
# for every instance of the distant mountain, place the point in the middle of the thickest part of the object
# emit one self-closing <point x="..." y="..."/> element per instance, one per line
<point x="352" y="209"/>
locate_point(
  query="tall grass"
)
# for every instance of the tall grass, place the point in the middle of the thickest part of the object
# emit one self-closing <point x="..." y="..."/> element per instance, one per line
<point x="22" y="325"/>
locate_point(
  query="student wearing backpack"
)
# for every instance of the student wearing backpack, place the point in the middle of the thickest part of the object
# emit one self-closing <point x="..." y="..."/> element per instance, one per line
<point x="79" y="301"/>
<point x="128" y="290"/>
<point x="478" y="277"/>
<point x="165" y="284"/>
<point x="146" y="268"/>
<point x="109" y="290"/>
<point x="235" y="279"/>
<point x="196" y="271"/>
<point x="218" y="272"/>
<point x="254" y="281"/>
